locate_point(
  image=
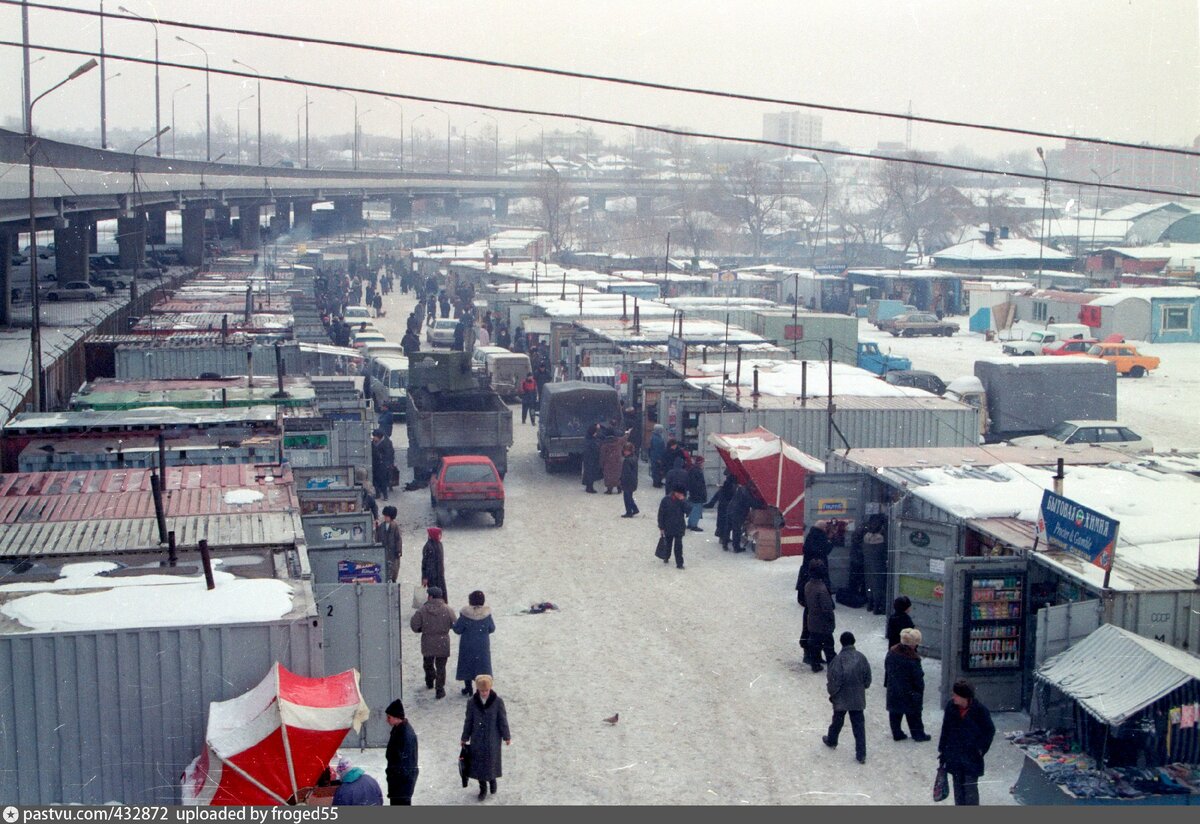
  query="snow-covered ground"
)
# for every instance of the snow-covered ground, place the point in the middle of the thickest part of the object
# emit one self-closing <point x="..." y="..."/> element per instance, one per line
<point x="1160" y="406"/>
<point x="702" y="664"/>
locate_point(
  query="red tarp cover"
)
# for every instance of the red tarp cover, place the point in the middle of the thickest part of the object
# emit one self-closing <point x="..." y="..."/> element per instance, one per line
<point x="263" y="747"/>
<point x="773" y="468"/>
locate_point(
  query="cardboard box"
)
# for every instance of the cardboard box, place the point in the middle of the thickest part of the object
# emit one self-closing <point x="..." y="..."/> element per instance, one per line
<point x="766" y="542"/>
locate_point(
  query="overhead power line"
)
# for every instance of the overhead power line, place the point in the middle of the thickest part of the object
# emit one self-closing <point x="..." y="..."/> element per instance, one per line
<point x="600" y="78"/>
<point x="601" y="121"/>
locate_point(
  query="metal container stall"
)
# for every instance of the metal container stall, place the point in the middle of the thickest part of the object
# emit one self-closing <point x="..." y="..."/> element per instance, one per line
<point x="807" y="334"/>
<point x="346" y="529"/>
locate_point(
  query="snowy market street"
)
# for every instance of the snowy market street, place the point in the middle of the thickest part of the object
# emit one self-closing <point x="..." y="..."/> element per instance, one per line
<point x="702" y="664"/>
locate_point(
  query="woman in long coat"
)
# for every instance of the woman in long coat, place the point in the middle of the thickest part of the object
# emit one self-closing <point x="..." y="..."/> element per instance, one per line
<point x="486" y="725"/>
<point x="721" y="500"/>
<point x="475" y="625"/>
<point x="433" y="562"/>
<point x="658" y="448"/>
<point x="905" y="682"/>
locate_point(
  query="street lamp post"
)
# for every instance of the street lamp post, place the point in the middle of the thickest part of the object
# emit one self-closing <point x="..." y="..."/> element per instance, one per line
<point x="1096" y="211"/>
<point x="465" y="130"/>
<point x="35" y="329"/>
<point x="258" y="92"/>
<point x="207" y="99"/>
<point x="305" y="110"/>
<point x="447" y="139"/>
<point x="412" y="139"/>
<point x="358" y="132"/>
<point x="824" y="202"/>
<point x="542" y="131"/>
<point x="239" y="126"/>
<point x="158" y="129"/>
<point x="1045" y="193"/>
<point x="495" y="143"/>
<point x="177" y="91"/>
<point x="354" y="149"/>
<point x="401" y="108"/>
<point x="103" y="86"/>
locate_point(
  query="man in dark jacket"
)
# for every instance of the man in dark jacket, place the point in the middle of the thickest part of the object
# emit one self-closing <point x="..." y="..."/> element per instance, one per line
<point x="529" y="399"/>
<point x="388" y="535"/>
<point x="383" y="463"/>
<point x="672" y="523"/>
<point x="410" y="343"/>
<point x="697" y="492"/>
<point x="671" y="457"/>
<point x="967" y="733"/>
<point x="818" y="616"/>
<point x="848" y="679"/>
<point x="402" y="769"/>
<point x="816" y="548"/>
<point x="721" y="499"/>
<point x="739" y="511"/>
<point x="629" y="479"/>
<point x="905" y="683"/>
<point x="676" y="476"/>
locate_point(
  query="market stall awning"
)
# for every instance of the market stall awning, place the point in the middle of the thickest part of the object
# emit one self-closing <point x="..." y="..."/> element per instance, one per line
<point x="773" y="468"/>
<point x="1114" y="673"/>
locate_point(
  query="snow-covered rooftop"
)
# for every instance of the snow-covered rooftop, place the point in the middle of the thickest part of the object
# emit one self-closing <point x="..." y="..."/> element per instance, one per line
<point x="1013" y="248"/>
<point x="1147" y="294"/>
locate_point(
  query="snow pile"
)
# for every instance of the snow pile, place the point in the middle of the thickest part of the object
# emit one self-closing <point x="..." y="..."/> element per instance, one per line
<point x="142" y="601"/>
<point x="235" y="497"/>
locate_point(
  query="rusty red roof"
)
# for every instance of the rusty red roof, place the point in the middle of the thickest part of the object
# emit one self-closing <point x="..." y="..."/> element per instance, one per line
<point x="122" y="494"/>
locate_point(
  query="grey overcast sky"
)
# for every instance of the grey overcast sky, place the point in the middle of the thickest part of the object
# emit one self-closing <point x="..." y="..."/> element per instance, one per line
<point x="1122" y="69"/>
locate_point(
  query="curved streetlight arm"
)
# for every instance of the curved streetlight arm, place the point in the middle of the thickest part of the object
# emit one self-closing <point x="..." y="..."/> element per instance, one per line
<point x="157" y="134"/>
<point x="85" y="68"/>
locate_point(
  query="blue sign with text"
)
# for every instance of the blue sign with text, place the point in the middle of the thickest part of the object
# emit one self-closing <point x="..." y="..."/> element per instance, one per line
<point x="1074" y="528"/>
<point x="675" y="348"/>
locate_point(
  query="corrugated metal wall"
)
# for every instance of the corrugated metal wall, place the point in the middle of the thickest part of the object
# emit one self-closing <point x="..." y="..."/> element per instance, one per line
<point x="137" y="363"/>
<point x="805" y="428"/>
<point x="116" y="716"/>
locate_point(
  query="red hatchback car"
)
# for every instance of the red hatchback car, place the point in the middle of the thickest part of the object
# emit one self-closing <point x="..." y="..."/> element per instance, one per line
<point x="1070" y="346"/>
<point x="466" y="483"/>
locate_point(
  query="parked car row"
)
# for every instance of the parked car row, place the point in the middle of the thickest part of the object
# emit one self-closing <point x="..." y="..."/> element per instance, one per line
<point x="917" y="323"/>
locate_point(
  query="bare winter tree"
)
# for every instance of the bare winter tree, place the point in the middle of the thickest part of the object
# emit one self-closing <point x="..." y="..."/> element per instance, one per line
<point x="922" y="202"/>
<point x="557" y="202"/>
<point x="753" y="192"/>
<point x="693" y="200"/>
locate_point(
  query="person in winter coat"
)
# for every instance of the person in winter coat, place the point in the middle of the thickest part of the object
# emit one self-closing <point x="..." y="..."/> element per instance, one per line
<point x="905" y="682"/>
<point x="388" y="534"/>
<point x="697" y="488"/>
<point x="848" y="679"/>
<point x="475" y="625"/>
<point x="721" y="500"/>
<point x="672" y="523"/>
<point x="592" y="471"/>
<point x="433" y="621"/>
<point x="387" y="422"/>
<point x="629" y="479"/>
<point x="410" y="343"/>
<point x="485" y="726"/>
<point x="357" y="788"/>
<point x="529" y="399"/>
<point x="401" y="754"/>
<point x="433" y="560"/>
<point x="655" y="452"/>
<point x="677" y="476"/>
<point x="875" y="564"/>
<point x="672" y="456"/>
<point x="967" y="733"/>
<point x="460" y="335"/>
<point x="503" y="336"/>
<point x="818" y="615"/>
<point x="377" y="304"/>
<point x="383" y="463"/>
<point x="739" y="510"/>
<point x="899" y="620"/>
<point x="816" y="548"/>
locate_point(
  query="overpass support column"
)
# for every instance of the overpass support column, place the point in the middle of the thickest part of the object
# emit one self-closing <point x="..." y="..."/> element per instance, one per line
<point x="222" y="219"/>
<point x="131" y="241"/>
<point x="645" y="206"/>
<point x="597" y="203"/>
<point x="193" y="235"/>
<point x="281" y="223"/>
<point x="93" y="238"/>
<point x="156" y="227"/>
<point x="249" y="220"/>
<point x="302" y="214"/>
<point x="500" y="207"/>
<point x="402" y="208"/>
<point x="6" y="284"/>
<point x="71" y="251"/>
<point x="450" y="206"/>
<point x="348" y="214"/>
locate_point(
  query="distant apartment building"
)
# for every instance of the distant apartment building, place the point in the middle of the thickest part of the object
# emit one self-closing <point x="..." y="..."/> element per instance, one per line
<point x="794" y="127"/>
<point x="1128" y="166"/>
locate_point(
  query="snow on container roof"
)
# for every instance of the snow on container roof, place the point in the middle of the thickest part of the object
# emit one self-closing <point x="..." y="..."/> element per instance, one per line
<point x="910" y="274"/>
<point x="1159" y="512"/>
<point x="656" y="331"/>
<point x="924" y="457"/>
<point x="1147" y="294"/>
<point x="134" y="420"/>
<point x="193" y="321"/>
<point x="783" y="379"/>
<point x="1013" y="248"/>
<point x="1114" y="674"/>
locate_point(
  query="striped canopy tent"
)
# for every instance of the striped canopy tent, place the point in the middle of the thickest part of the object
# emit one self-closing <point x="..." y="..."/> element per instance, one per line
<point x="267" y="746"/>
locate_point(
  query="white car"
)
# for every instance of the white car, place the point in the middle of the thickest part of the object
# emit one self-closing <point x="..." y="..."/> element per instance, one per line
<point x="1108" y="434"/>
<point x="75" y="290"/>
<point x="441" y="332"/>
<point x="355" y="314"/>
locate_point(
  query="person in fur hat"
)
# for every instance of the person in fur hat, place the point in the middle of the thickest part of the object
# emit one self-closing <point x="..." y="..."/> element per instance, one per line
<point x="475" y="625"/>
<point x="905" y="682"/>
<point x="485" y="726"/>
<point x="433" y="562"/>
